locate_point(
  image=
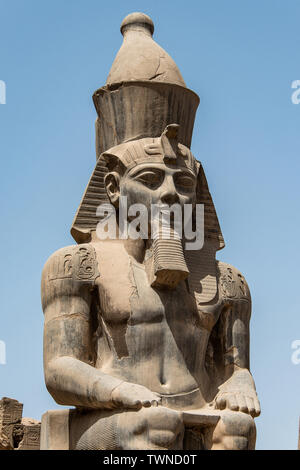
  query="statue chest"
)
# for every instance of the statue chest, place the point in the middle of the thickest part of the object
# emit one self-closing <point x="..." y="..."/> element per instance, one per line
<point x="125" y="297"/>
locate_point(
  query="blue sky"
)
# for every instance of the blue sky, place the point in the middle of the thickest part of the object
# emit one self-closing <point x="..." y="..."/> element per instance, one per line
<point x="241" y="58"/>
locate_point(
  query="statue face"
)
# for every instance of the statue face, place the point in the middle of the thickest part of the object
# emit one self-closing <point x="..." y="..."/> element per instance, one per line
<point x="158" y="183"/>
<point x="150" y="183"/>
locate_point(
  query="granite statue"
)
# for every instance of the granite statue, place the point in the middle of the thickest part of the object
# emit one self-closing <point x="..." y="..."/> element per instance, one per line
<point x="145" y="340"/>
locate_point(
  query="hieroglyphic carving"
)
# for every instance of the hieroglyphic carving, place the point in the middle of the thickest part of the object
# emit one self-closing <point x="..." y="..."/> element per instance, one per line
<point x="68" y="265"/>
<point x="31" y="435"/>
<point x="232" y="283"/>
<point x="17" y="433"/>
<point x="10" y="415"/>
<point x="78" y="263"/>
<point x="84" y="267"/>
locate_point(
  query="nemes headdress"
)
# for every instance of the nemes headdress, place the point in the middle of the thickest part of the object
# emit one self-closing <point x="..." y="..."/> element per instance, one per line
<point x="145" y="113"/>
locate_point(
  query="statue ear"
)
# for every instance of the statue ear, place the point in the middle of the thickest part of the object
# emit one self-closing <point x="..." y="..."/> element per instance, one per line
<point x="112" y="185"/>
<point x="211" y="223"/>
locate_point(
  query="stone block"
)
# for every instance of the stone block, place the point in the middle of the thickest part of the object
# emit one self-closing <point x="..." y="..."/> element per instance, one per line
<point x="55" y="430"/>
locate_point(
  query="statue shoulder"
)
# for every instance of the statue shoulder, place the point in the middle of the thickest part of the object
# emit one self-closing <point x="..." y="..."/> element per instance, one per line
<point x="77" y="262"/>
<point x="68" y="270"/>
<point x="233" y="286"/>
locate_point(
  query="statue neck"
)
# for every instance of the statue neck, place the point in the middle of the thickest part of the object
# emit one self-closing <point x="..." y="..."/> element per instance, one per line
<point x="135" y="248"/>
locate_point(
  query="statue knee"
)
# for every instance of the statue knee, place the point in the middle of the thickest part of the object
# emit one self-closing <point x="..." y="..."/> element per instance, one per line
<point x="166" y="428"/>
<point x="234" y="431"/>
<point x="159" y="427"/>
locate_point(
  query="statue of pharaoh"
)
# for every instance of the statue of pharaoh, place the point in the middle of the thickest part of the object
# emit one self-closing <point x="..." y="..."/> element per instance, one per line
<point x="146" y="339"/>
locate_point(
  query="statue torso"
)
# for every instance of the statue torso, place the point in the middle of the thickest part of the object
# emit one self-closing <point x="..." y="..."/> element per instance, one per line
<point x="157" y="338"/>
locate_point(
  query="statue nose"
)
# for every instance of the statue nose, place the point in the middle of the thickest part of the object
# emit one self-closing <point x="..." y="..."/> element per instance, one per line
<point x="170" y="197"/>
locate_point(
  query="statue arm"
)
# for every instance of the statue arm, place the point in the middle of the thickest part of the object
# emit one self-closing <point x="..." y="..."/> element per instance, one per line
<point x="235" y="323"/>
<point x="70" y="375"/>
<point x="237" y="392"/>
<point x="69" y="358"/>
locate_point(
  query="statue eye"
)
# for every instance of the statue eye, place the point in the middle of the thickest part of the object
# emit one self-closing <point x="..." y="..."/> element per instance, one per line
<point x="185" y="181"/>
<point x="151" y="179"/>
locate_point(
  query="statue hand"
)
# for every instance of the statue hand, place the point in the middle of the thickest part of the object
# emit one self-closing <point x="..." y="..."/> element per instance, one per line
<point x="238" y="394"/>
<point x="129" y="395"/>
<point x="238" y="401"/>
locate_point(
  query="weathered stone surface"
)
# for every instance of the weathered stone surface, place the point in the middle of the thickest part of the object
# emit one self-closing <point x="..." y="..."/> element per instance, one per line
<point x="55" y="430"/>
<point x="140" y="58"/>
<point x="29" y="434"/>
<point x="10" y="416"/>
<point x="147" y="338"/>
<point x="17" y="433"/>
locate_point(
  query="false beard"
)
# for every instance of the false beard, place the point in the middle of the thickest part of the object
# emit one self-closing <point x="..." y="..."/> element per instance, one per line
<point x="165" y="263"/>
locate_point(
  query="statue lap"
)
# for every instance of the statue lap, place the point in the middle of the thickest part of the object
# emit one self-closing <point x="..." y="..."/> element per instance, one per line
<point x="154" y="428"/>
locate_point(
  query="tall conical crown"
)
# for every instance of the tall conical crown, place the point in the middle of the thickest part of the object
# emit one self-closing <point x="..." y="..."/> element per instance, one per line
<point x="144" y="92"/>
<point x="140" y="57"/>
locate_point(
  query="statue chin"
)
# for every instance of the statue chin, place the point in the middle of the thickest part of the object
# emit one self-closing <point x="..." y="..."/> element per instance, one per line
<point x="165" y="262"/>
